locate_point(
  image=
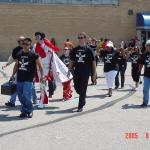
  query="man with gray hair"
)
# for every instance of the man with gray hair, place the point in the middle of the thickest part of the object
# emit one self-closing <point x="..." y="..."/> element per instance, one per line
<point x="11" y="59"/>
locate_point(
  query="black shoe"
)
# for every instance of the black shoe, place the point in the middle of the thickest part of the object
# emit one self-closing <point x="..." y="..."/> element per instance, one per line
<point x="10" y="104"/>
<point x="95" y="82"/>
<point x="144" y="105"/>
<point x="80" y="110"/>
<point x="116" y="87"/>
<point x="109" y="94"/>
<point x="92" y="83"/>
<point x="30" y="115"/>
<point x="34" y="102"/>
<point x="122" y="86"/>
<point x="50" y="96"/>
<point x="23" y="115"/>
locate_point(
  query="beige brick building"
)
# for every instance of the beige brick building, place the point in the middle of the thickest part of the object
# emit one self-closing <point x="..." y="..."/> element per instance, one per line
<point x="62" y="21"/>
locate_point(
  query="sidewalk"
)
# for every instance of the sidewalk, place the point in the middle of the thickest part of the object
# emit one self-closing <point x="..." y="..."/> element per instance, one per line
<point x="107" y="123"/>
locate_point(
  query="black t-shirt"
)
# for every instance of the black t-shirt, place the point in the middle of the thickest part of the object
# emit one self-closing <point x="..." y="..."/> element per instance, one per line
<point x="82" y="57"/>
<point x="110" y="60"/>
<point x="135" y="60"/>
<point x="145" y="60"/>
<point x="65" y="59"/>
<point x="121" y="61"/>
<point x="93" y="47"/>
<point x="16" y="51"/>
<point x="27" y="66"/>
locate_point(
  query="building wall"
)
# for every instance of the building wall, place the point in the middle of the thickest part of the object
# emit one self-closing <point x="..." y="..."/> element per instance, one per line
<point x="63" y="21"/>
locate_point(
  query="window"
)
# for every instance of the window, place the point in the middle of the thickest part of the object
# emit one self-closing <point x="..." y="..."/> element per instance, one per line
<point x="75" y="2"/>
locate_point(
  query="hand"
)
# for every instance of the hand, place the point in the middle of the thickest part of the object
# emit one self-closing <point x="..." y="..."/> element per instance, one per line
<point x="68" y="74"/>
<point x="12" y="78"/>
<point x="94" y="77"/>
<point x="4" y="66"/>
<point x="139" y="73"/>
<point x="42" y="79"/>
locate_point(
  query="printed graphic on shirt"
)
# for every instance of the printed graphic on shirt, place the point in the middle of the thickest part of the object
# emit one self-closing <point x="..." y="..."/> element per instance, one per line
<point x="148" y="62"/>
<point x="24" y="63"/>
<point x="66" y="61"/>
<point x="135" y="59"/>
<point x="80" y="57"/>
<point x="108" y="58"/>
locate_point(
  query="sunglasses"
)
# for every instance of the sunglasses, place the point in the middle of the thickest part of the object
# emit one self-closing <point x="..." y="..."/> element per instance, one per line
<point x="26" y="44"/>
<point x="80" y="37"/>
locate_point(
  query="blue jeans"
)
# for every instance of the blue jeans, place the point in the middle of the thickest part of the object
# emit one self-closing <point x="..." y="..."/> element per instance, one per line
<point x="146" y="90"/>
<point x="34" y="97"/>
<point x="24" y="90"/>
<point x="13" y="98"/>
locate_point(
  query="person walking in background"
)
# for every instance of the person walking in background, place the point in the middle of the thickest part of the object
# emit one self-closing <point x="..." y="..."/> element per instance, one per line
<point x="11" y="59"/>
<point x="68" y="44"/>
<point x="145" y="61"/>
<point x="67" y="92"/>
<point x="81" y="60"/>
<point x="110" y="57"/>
<point x="93" y="46"/>
<point x="122" y="66"/>
<point x="100" y="43"/>
<point x="135" y="57"/>
<point x="65" y="56"/>
<point x="25" y="67"/>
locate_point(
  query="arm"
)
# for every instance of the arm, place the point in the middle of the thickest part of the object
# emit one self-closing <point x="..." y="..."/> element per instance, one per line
<point x="45" y="47"/>
<point x="71" y="63"/>
<point x="10" y="61"/>
<point x="15" y="69"/>
<point x="38" y="62"/>
<point x="140" y="67"/>
<point x="94" y="70"/>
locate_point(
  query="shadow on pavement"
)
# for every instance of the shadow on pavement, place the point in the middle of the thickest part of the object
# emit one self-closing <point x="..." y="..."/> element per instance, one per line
<point x="71" y="110"/>
<point x="97" y="96"/>
<point x="45" y="108"/>
<point x="132" y="106"/>
<point x="6" y="118"/>
<point x="55" y="100"/>
<point x="101" y="107"/>
<point x="124" y="90"/>
<point x="7" y="108"/>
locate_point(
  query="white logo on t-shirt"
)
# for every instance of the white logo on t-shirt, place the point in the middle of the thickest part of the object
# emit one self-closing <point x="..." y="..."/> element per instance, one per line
<point x="134" y="59"/>
<point x="80" y="57"/>
<point x="148" y="62"/>
<point x="108" y="58"/>
<point x="23" y="65"/>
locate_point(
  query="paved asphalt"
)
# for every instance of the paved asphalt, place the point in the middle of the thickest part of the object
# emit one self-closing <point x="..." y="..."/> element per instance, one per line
<point x="107" y="123"/>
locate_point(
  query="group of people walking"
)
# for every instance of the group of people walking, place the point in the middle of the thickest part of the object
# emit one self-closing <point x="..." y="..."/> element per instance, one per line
<point x="40" y="63"/>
